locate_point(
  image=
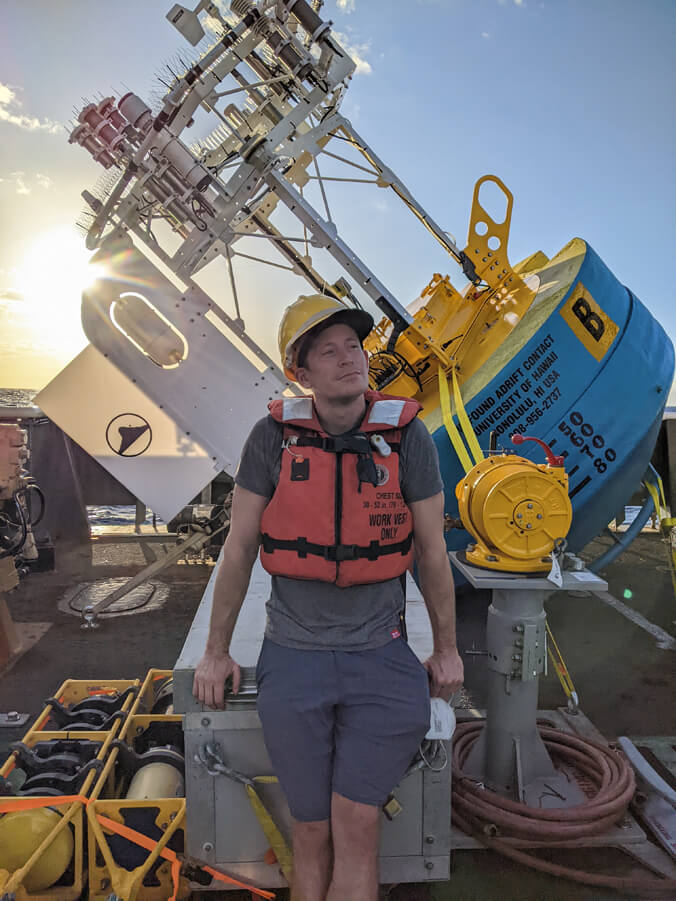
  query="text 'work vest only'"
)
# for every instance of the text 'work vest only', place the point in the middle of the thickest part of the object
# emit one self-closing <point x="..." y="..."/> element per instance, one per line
<point x="337" y="514"/>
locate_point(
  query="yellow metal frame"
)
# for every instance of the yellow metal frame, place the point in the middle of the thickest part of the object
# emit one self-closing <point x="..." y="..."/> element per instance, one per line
<point x="70" y="692"/>
<point x="459" y="331"/>
<point x="146" y="696"/>
<point x="105" y="816"/>
<point x="128" y="884"/>
<point x="109" y="876"/>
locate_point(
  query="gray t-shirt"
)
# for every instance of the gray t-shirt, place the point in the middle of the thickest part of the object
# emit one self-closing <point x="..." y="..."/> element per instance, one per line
<point x="315" y="615"/>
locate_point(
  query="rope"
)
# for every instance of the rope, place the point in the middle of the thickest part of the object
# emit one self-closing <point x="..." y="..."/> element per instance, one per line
<point x="507" y="826"/>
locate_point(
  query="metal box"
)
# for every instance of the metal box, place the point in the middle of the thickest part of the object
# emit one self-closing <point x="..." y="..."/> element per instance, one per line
<point x="222" y="829"/>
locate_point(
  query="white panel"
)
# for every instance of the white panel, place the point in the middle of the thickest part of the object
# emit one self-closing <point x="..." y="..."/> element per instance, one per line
<point x="215" y="394"/>
<point x="105" y="413"/>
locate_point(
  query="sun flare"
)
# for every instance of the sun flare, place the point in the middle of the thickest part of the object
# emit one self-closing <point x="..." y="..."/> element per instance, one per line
<point x="51" y="278"/>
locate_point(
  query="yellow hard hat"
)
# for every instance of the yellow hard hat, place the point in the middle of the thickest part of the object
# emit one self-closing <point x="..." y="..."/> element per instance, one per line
<point x="305" y="314"/>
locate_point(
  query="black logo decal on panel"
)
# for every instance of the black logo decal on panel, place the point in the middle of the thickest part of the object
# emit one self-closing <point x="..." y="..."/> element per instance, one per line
<point x="129" y="435"/>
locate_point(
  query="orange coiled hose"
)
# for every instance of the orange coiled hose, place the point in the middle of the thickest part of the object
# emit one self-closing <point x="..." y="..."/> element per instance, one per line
<point x="503" y="824"/>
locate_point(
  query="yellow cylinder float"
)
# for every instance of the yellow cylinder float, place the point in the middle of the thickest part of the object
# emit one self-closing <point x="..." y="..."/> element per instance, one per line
<point x="21" y="834"/>
<point x="516" y="510"/>
<point x="156" y="780"/>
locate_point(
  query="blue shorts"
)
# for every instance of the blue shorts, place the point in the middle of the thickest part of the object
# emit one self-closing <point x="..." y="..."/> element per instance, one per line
<point x="341" y="721"/>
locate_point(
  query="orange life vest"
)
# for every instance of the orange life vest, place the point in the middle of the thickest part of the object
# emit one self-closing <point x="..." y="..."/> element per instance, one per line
<point x="337" y="514"/>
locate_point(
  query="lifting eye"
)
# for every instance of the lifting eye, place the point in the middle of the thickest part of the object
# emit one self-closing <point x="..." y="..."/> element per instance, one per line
<point x="148" y="330"/>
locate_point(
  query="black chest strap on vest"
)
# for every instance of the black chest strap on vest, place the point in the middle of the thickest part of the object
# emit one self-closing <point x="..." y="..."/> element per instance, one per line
<point x="350" y="444"/>
<point x="366" y="471"/>
<point x="336" y="553"/>
<point x="357" y="443"/>
<point x="402" y="612"/>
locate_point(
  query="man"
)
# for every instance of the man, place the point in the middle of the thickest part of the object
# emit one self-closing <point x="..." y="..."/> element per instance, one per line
<point x="341" y="489"/>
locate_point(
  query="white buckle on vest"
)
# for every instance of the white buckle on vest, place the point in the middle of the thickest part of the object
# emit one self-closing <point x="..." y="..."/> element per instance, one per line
<point x="296" y="408"/>
<point x="386" y="411"/>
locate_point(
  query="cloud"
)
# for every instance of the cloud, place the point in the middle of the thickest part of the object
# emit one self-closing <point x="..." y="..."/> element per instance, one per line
<point x="9" y="106"/>
<point x="24" y="184"/>
<point x="345" y="6"/>
<point x="18" y="180"/>
<point x="357" y="52"/>
<point x="21" y="186"/>
<point x="485" y="34"/>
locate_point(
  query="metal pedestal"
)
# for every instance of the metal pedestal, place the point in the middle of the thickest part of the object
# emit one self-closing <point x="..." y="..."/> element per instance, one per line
<point x="509" y="756"/>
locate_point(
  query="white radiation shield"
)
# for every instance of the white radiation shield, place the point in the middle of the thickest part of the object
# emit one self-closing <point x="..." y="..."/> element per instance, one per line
<point x="127" y="433"/>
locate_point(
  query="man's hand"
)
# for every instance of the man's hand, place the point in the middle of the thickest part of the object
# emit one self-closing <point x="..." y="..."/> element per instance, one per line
<point x="210" y="675"/>
<point x="232" y="579"/>
<point x="446" y="673"/>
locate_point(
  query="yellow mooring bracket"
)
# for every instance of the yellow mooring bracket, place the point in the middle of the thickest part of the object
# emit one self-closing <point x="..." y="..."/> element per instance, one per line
<point x="504" y="297"/>
<point x="455" y="330"/>
<point x="487" y="243"/>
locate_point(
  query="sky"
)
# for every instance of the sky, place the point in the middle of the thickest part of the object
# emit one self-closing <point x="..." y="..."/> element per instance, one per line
<point x="569" y="102"/>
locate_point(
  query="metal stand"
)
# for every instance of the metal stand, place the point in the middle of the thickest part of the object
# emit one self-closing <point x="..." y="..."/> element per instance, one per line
<point x="509" y="756"/>
<point x="196" y="540"/>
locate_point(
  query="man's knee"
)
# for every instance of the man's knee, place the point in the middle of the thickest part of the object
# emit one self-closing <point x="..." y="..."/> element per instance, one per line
<point x="354" y="824"/>
<point x="311" y="835"/>
<point x="312" y="857"/>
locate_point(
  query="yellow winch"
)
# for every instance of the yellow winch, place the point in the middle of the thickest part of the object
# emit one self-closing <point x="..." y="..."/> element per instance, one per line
<point x="515" y="509"/>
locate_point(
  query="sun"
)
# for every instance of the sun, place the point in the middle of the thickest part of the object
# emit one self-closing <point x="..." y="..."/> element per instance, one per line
<point x="51" y="278"/>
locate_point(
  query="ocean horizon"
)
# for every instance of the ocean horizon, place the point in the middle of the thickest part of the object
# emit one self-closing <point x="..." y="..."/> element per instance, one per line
<point x="18" y="397"/>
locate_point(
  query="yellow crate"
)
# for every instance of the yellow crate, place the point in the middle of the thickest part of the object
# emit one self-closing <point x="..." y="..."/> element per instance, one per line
<point x="72" y="691"/>
<point x="107" y="875"/>
<point x="72" y="813"/>
<point x="146" y="696"/>
<point x="163" y="818"/>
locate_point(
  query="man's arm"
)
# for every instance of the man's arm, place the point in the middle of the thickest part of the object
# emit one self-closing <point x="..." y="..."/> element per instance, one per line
<point x="239" y="555"/>
<point x="436" y="584"/>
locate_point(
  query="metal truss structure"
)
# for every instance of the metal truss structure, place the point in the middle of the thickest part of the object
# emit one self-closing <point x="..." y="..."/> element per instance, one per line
<point x="274" y="78"/>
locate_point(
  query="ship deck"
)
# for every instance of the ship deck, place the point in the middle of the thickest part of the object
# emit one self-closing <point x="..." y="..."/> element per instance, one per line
<point x="624" y="680"/>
